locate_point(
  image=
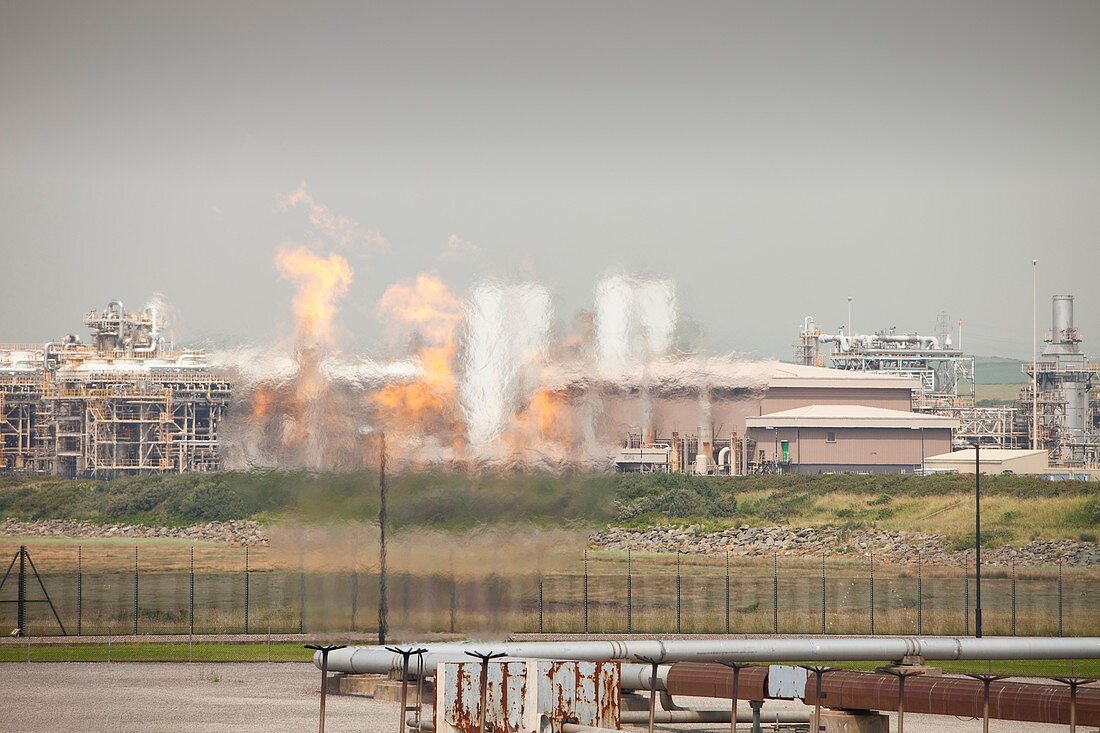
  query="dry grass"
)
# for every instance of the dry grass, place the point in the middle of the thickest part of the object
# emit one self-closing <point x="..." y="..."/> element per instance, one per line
<point x="1009" y="519"/>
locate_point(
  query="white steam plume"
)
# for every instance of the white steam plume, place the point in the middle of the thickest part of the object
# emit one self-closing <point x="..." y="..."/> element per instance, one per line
<point x="507" y="330"/>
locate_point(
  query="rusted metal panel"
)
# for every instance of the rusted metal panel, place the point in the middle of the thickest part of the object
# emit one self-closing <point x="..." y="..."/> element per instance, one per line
<point x="520" y="695"/>
<point x="715" y="680"/>
<point x="957" y="696"/>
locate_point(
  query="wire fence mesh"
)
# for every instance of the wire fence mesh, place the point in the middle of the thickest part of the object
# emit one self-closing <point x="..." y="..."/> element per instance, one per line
<point x="126" y="590"/>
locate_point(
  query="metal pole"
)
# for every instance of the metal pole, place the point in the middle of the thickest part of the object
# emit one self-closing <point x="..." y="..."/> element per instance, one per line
<point x="383" y="609"/>
<point x="79" y="590"/>
<point x="966" y="597"/>
<point x="135" y="590"/>
<point x="902" y="673"/>
<point x="775" y="593"/>
<point x="1014" y="596"/>
<point x="1074" y="683"/>
<point x="815" y="725"/>
<point x="485" y="659"/>
<point x="823" y="630"/>
<point x="246" y="589"/>
<point x="1061" y="628"/>
<point x="21" y="592"/>
<point x="677" y="591"/>
<point x="736" y="667"/>
<point x="324" y="677"/>
<point x="301" y="601"/>
<point x="354" y="597"/>
<point x="871" y="569"/>
<point x="1034" y="359"/>
<point x="977" y="541"/>
<point x="405" y="655"/>
<point x="920" y="599"/>
<point x="727" y="591"/>
<point x="986" y="679"/>
<point x="539" y="581"/>
<point x="629" y="594"/>
<point x="585" y="591"/>
<point x="653" y="664"/>
<point x="191" y="596"/>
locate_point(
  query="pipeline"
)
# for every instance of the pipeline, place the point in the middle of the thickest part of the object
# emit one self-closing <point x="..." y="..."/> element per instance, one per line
<point x="635" y="717"/>
<point x="375" y="659"/>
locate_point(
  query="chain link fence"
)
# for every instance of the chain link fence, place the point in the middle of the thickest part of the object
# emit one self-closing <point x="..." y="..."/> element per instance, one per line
<point x="126" y="590"/>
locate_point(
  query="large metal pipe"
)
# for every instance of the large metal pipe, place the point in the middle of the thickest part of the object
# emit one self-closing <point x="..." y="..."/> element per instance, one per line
<point x="957" y="696"/>
<point x="368" y="659"/>
<point x="636" y="717"/>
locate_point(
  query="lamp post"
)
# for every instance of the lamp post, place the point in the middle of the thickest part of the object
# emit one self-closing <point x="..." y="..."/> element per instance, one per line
<point x="1034" y="358"/>
<point x="849" y="316"/>
<point x="977" y="539"/>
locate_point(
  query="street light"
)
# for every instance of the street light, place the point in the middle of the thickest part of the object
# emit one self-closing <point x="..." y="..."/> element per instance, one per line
<point x="977" y="541"/>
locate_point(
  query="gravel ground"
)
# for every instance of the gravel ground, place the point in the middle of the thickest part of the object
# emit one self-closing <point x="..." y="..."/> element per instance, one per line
<point x="204" y="698"/>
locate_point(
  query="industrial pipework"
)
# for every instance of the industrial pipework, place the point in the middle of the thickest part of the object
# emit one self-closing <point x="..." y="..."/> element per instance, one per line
<point x="378" y="660"/>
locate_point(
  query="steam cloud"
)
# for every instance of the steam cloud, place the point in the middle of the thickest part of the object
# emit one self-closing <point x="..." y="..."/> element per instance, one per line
<point x="485" y="380"/>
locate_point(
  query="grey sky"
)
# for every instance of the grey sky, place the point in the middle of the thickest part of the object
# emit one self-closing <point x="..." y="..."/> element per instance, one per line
<point x="772" y="158"/>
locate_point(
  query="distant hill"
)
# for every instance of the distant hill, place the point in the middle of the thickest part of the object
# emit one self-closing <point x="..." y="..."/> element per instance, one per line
<point x="998" y="370"/>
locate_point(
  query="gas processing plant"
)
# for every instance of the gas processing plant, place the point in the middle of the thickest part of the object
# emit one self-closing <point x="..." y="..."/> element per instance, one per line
<point x="1063" y="420"/>
<point x="491" y="381"/>
<point x="124" y="404"/>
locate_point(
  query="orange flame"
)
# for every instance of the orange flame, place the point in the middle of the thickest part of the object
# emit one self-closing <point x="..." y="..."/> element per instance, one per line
<point x="428" y="305"/>
<point x="321" y="282"/>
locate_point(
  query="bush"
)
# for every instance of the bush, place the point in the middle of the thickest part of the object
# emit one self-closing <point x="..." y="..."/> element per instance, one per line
<point x="672" y="496"/>
<point x="207" y="502"/>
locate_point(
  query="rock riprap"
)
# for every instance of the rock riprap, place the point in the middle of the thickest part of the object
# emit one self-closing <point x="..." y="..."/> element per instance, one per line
<point x="236" y="532"/>
<point x="892" y="547"/>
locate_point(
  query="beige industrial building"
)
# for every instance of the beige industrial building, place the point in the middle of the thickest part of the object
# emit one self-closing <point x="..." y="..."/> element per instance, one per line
<point x="992" y="460"/>
<point x="847" y="438"/>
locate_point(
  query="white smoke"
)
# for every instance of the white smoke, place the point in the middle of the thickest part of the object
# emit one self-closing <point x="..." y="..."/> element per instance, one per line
<point x="635" y="322"/>
<point x="507" y="331"/>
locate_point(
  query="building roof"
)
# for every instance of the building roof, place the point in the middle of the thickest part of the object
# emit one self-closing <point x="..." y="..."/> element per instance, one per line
<point x="849" y="416"/>
<point x="989" y="455"/>
<point x="799" y="375"/>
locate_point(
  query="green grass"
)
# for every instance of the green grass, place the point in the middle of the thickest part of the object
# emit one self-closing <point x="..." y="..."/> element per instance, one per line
<point x="998" y="370"/>
<point x="171" y="652"/>
<point x="1028" y="507"/>
<point x="994" y="395"/>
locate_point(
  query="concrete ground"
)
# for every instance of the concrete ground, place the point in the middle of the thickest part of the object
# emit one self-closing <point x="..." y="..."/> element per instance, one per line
<point x="241" y="697"/>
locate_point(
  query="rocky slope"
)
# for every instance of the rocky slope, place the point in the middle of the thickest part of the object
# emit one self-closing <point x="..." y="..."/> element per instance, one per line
<point x="887" y="547"/>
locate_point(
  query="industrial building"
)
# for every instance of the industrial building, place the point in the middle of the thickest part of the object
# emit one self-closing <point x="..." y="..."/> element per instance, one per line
<point x="992" y="461"/>
<point x="869" y="416"/>
<point x="848" y="438"/>
<point x="1057" y="411"/>
<point x="125" y="404"/>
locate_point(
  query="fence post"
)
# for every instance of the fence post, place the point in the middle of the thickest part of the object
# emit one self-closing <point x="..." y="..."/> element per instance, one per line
<point x="79" y="590"/>
<point x="1014" y="596"/>
<point x="585" y="591"/>
<point x="538" y="579"/>
<point x="191" y="598"/>
<point x="823" y="597"/>
<point x="871" y="571"/>
<point x="966" y="596"/>
<point x="920" y="600"/>
<point x="301" y="600"/>
<point x="454" y="600"/>
<point x="135" y="590"/>
<point x="246" y="589"/>
<point x="677" y="590"/>
<point x="1061" y="628"/>
<point x="629" y="594"/>
<point x="354" y="596"/>
<point x="727" y="591"/>
<point x="775" y="593"/>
